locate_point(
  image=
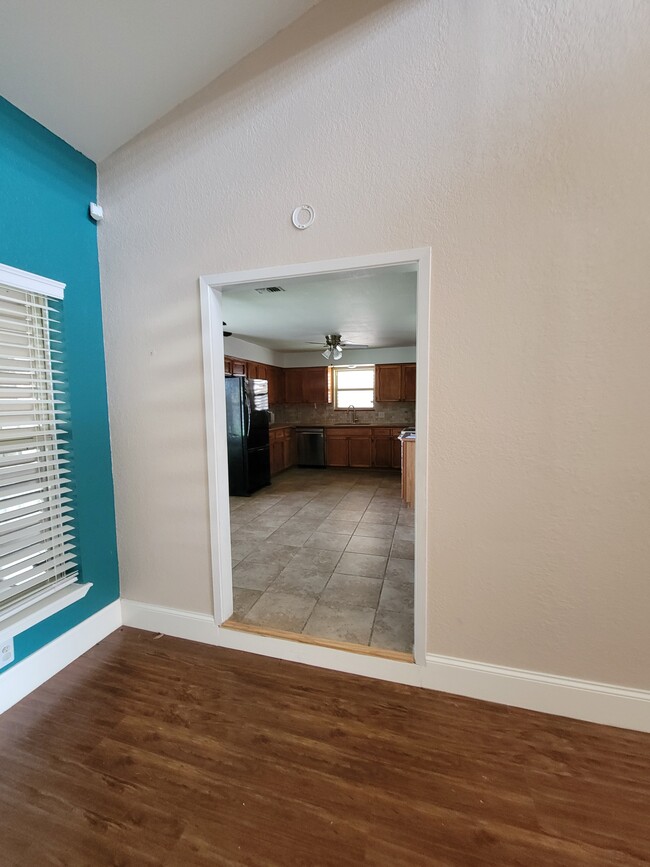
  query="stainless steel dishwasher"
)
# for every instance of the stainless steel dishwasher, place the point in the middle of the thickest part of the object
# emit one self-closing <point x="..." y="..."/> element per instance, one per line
<point x="311" y="446"/>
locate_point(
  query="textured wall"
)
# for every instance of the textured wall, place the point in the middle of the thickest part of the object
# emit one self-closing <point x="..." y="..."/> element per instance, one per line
<point x="45" y="188"/>
<point x="512" y="137"/>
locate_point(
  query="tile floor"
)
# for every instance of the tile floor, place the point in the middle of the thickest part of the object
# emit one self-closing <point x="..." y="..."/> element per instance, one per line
<point x="326" y="553"/>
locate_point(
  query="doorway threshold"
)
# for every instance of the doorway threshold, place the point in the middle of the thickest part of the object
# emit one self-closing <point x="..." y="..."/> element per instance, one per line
<point x="362" y="649"/>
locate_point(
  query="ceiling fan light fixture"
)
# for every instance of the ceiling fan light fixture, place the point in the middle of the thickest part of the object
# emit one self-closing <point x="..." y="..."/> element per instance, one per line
<point x="327" y="353"/>
<point x="337" y="353"/>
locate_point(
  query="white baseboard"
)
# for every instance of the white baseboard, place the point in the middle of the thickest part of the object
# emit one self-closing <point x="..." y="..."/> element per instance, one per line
<point x="191" y="625"/>
<point x="548" y="693"/>
<point x="30" y="673"/>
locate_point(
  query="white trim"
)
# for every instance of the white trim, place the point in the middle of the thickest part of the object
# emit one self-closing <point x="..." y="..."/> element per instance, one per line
<point x="191" y="625"/>
<point x="30" y="673"/>
<point x="211" y="288"/>
<point x="42" y="609"/>
<point x="14" y="278"/>
<point x="601" y="703"/>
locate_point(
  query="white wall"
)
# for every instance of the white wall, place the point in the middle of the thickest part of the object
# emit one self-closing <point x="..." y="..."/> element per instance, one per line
<point x="510" y="136"/>
<point x="238" y="348"/>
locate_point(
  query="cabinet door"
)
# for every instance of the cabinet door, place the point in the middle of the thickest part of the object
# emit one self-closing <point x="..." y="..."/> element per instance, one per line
<point x="262" y="372"/>
<point x="227" y="364"/>
<point x="239" y="367"/>
<point x="293" y="385"/>
<point x="382" y="452"/>
<point x="336" y="452"/>
<point x="396" y="454"/>
<point x="388" y="382"/>
<point x="408" y="382"/>
<point x="360" y="451"/>
<point x="314" y="384"/>
<point x="277" y="457"/>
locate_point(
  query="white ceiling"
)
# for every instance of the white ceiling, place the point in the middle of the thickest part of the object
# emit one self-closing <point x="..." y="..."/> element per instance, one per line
<point x="97" y="72"/>
<point x="374" y="307"/>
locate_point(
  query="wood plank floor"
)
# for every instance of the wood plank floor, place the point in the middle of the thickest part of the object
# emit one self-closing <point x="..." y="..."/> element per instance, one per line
<point x="168" y="752"/>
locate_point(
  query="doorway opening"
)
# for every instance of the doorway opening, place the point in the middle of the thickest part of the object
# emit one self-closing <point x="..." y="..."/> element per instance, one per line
<point x="316" y="393"/>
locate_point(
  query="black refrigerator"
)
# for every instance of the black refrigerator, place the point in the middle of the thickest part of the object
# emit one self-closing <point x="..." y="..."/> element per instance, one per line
<point x="247" y="420"/>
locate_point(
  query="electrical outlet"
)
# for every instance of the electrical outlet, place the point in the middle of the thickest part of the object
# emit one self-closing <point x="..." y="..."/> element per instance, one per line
<point x="6" y="651"/>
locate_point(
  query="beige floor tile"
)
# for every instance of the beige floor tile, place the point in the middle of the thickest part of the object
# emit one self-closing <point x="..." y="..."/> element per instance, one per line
<point x="404" y="533"/>
<point x="333" y="525"/>
<point x="269" y="552"/>
<point x="375" y="531"/>
<point x="393" y="631"/>
<point x="380" y="516"/>
<point x="269" y="519"/>
<point x="328" y="541"/>
<point x="368" y="545"/>
<point x="239" y="550"/>
<point x="365" y="565"/>
<point x="300" y="581"/>
<point x="244" y="599"/>
<point x="396" y="597"/>
<point x="286" y="611"/>
<point x="250" y="533"/>
<point x="291" y="535"/>
<point x="319" y="560"/>
<point x="255" y="576"/>
<point x="402" y="549"/>
<point x="352" y="624"/>
<point x="399" y="571"/>
<point x="351" y="591"/>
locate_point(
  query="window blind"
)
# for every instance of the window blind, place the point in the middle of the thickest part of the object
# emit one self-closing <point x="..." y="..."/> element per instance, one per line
<point x="37" y="543"/>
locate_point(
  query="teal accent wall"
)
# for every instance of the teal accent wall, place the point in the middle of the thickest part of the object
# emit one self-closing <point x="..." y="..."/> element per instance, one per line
<point x="45" y="189"/>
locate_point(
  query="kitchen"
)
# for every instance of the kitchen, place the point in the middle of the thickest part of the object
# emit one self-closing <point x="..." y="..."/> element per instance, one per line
<point x="323" y="524"/>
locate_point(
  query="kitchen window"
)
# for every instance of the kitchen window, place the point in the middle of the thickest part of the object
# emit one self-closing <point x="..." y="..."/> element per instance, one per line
<point x="37" y="542"/>
<point x="354" y="386"/>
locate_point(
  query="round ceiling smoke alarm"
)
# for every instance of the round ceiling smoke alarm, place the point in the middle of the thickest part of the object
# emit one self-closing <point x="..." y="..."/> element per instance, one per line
<point x="303" y="216"/>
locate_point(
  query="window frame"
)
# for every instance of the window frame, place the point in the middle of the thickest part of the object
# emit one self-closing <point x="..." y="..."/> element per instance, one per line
<point x="53" y="597"/>
<point x="335" y="387"/>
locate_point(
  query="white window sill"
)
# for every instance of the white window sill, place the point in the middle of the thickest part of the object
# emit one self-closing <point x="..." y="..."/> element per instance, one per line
<point x="42" y="609"/>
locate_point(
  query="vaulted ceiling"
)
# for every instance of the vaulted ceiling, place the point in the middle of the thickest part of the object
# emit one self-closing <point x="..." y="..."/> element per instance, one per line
<point x="97" y="72"/>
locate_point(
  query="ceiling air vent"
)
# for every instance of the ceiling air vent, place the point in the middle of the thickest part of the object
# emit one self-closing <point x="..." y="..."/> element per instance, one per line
<point x="270" y="289"/>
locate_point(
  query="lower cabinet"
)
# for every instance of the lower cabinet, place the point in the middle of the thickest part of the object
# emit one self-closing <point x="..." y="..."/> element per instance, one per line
<point x="360" y="451"/>
<point x="356" y="447"/>
<point x="282" y="448"/>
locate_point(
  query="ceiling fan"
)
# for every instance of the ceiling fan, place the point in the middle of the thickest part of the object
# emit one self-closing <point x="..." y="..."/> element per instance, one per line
<point x="334" y="347"/>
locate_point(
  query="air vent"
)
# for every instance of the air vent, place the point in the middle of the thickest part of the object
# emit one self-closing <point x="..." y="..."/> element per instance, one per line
<point x="270" y="289"/>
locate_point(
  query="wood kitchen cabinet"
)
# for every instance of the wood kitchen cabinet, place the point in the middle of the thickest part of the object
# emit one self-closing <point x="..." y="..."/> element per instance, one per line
<point x="282" y="448"/>
<point x="382" y="448"/>
<point x="276" y="385"/>
<point x="314" y="385"/>
<point x="388" y="382"/>
<point x="293" y="385"/>
<point x="360" y="451"/>
<point x="305" y="385"/>
<point x="408" y="381"/>
<point x="348" y="447"/>
<point x="227" y="364"/>
<point x="239" y="367"/>
<point x="394" y="382"/>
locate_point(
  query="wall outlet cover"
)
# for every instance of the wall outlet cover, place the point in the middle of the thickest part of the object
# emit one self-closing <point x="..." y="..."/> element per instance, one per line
<point x="6" y="651"/>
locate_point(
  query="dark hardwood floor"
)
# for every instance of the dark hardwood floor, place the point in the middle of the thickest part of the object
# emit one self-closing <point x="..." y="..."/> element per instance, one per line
<point x="167" y="752"/>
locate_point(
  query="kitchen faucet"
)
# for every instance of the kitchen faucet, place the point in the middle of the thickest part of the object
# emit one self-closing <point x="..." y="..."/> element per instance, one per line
<point x="354" y="413"/>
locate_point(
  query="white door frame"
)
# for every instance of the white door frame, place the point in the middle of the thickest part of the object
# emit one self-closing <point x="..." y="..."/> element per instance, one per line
<point x="211" y="287"/>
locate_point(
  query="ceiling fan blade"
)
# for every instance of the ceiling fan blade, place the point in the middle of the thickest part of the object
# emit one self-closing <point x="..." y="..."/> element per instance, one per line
<point x="354" y="346"/>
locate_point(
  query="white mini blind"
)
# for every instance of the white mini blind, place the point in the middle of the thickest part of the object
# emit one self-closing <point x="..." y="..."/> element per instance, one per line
<point x="37" y="544"/>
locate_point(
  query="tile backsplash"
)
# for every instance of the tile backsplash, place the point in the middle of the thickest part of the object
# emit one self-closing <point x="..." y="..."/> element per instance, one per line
<point x="393" y="414"/>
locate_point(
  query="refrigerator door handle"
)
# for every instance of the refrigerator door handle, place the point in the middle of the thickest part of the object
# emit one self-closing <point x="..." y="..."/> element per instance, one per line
<point x="248" y="411"/>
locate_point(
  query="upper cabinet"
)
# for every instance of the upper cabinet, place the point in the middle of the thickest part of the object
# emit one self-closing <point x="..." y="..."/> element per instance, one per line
<point x="394" y="382"/>
<point x="305" y="385"/>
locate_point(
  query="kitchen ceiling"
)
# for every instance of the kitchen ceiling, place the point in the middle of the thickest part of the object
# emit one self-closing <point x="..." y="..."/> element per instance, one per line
<point x="375" y="307"/>
<point x="98" y="72"/>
